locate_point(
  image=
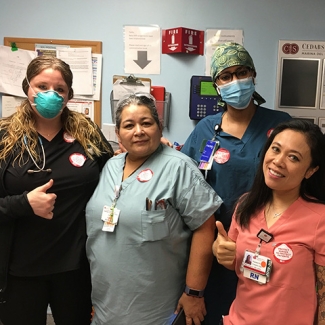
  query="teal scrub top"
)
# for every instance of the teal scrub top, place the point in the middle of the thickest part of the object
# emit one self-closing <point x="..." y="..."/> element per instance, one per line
<point x="232" y="178"/>
<point x="138" y="271"/>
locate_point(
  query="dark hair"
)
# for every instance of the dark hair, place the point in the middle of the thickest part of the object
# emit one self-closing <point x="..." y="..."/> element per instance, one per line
<point x="136" y="99"/>
<point x="311" y="189"/>
<point x="40" y="63"/>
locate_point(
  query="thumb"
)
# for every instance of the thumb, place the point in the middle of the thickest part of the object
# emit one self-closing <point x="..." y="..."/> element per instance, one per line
<point x="178" y="308"/>
<point x="46" y="186"/>
<point x="221" y="230"/>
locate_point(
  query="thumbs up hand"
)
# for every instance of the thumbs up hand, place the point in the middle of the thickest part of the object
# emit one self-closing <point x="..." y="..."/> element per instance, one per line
<point x="41" y="202"/>
<point x="224" y="249"/>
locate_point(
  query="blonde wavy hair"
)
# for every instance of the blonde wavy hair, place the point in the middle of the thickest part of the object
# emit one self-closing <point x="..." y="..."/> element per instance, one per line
<point x="22" y="123"/>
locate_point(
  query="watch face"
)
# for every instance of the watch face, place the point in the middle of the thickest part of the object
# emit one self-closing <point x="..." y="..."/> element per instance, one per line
<point x="195" y="293"/>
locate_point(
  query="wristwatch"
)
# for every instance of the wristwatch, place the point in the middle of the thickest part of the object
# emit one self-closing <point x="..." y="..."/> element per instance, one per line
<point x="194" y="293"/>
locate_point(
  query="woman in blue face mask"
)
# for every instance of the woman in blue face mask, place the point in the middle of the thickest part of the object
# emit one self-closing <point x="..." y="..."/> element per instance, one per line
<point x="240" y="132"/>
<point x="50" y="160"/>
<point x="233" y="74"/>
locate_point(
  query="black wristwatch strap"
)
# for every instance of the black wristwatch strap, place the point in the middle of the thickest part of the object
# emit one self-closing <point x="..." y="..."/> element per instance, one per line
<point x="194" y="293"/>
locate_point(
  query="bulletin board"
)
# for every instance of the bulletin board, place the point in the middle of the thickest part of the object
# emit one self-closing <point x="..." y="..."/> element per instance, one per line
<point x="29" y="44"/>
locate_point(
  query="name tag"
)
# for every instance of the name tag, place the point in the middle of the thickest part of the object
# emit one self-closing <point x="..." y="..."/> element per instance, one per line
<point x="256" y="267"/>
<point x="261" y="279"/>
<point x="207" y="154"/>
<point x="110" y="217"/>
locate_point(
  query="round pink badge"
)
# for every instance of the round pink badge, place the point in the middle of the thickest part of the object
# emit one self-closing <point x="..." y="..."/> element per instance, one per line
<point x="269" y="132"/>
<point x="282" y="253"/>
<point x="145" y="175"/>
<point x="68" y="138"/>
<point x="77" y="159"/>
<point x="221" y="156"/>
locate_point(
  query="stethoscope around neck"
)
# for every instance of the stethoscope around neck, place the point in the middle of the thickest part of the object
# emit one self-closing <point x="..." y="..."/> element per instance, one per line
<point x="39" y="169"/>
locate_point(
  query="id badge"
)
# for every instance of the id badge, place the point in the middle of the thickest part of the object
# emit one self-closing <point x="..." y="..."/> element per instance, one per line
<point x="106" y="212"/>
<point x="256" y="267"/>
<point x="206" y="159"/>
<point x="112" y="219"/>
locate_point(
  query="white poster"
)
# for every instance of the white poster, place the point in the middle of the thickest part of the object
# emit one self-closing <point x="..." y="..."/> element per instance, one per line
<point x="10" y="104"/>
<point x="142" y="49"/>
<point x="13" y="66"/>
<point x="80" y="62"/>
<point x="215" y="37"/>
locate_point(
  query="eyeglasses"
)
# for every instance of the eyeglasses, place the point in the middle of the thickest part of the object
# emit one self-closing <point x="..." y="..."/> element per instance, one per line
<point x="240" y="73"/>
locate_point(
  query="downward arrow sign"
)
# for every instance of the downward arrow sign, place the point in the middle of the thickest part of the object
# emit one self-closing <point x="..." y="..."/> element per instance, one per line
<point x="142" y="61"/>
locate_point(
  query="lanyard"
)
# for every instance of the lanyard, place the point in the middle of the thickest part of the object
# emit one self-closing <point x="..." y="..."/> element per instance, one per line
<point x="117" y="191"/>
<point x="206" y="165"/>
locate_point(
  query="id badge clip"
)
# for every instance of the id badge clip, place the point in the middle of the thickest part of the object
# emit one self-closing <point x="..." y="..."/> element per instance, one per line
<point x="209" y="148"/>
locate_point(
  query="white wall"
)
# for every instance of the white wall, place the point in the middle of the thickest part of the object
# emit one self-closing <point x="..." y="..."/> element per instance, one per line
<point x="264" y="22"/>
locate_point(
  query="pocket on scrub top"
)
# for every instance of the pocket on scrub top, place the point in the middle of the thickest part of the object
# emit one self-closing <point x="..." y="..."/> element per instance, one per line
<point x="154" y="225"/>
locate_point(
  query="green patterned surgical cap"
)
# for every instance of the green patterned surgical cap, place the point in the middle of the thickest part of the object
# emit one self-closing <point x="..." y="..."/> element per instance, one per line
<point x="227" y="55"/>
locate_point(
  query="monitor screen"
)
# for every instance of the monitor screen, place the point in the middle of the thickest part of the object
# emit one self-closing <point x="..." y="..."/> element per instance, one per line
<point x="299" y="83"/>
<point x="207" y="89"/>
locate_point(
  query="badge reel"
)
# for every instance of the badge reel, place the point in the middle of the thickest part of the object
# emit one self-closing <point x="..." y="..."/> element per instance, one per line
<point x="255" y="266"/>
<point x="209" y="148"/>
<point x="110" y="214"/>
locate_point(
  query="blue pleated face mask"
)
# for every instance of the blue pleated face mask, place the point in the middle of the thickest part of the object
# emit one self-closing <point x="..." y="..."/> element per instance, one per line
<point x="238" y="93"/>
<point x="48" y="103"/>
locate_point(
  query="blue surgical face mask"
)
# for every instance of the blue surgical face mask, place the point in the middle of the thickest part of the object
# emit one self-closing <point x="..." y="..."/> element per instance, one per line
<point x="238" y="93"/>
<point x="47" y="103"/>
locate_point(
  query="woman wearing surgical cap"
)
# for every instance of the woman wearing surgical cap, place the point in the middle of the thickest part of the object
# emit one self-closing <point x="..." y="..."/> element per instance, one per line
<point x="239" y="133"/>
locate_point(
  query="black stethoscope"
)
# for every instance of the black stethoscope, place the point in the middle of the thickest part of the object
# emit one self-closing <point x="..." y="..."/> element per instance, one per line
<point x="39" y="169"/>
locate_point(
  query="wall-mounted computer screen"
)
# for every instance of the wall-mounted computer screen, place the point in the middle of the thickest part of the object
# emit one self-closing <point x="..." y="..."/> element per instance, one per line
<point x="299" y="82"/>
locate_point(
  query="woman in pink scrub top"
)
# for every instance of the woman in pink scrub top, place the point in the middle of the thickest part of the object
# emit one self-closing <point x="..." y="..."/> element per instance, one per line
<point x="281" y="223"/>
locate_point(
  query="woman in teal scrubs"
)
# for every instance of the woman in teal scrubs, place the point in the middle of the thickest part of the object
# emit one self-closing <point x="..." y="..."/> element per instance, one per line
<point x="150" y="227"/>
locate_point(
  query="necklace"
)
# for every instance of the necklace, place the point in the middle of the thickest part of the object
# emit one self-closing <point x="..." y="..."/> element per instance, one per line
<point x="46" y="134"/>
<point x="275" y="215"/>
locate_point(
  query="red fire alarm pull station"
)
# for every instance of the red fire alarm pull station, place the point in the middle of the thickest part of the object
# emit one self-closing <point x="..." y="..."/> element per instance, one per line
<point x="182" y="40"/>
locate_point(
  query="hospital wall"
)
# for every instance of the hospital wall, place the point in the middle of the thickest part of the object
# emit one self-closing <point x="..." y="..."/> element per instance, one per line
<point x="263" y="22"/>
